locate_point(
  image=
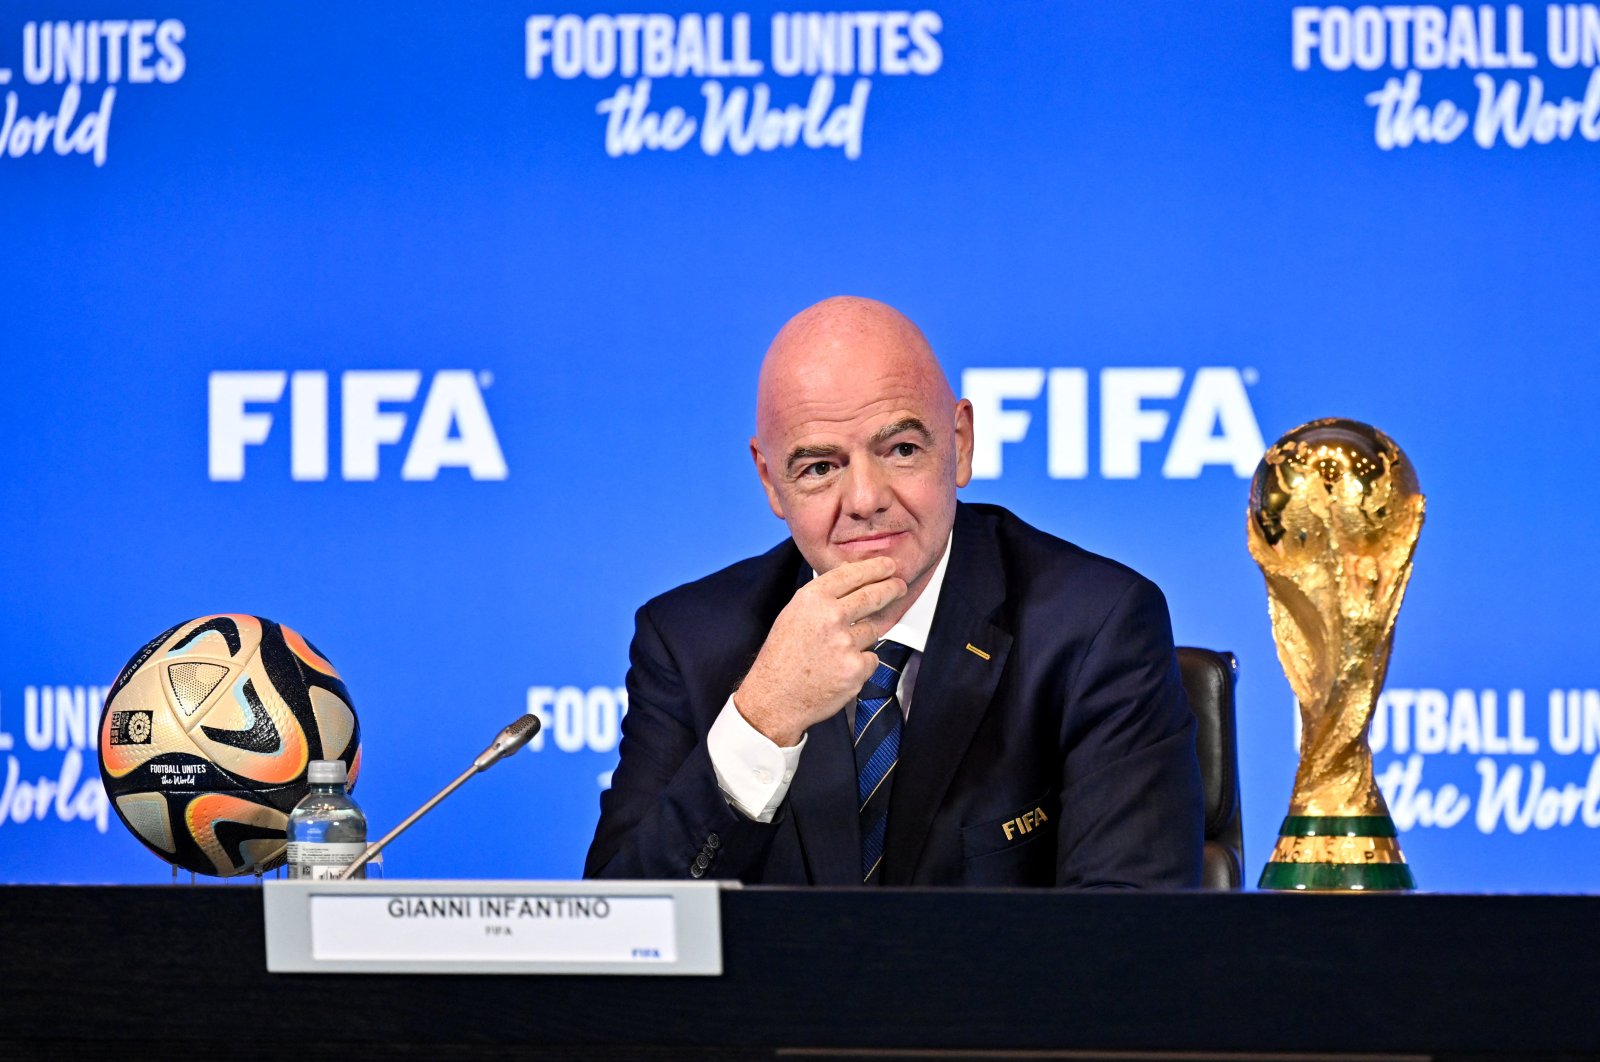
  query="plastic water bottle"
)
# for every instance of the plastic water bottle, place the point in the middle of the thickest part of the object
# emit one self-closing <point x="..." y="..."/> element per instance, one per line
<point x="327" y="830"/>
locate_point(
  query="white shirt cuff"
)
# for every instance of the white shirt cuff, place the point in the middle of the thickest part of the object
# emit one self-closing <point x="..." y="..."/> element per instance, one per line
<point x="752" y="770"/>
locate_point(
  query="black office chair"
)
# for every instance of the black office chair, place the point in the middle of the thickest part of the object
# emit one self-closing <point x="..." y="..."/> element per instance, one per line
<point x="1209" y="678"/>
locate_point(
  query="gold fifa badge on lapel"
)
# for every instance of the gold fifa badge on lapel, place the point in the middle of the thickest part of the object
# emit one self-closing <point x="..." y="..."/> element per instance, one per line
<point x="975" y="651"/>
<point x="1024" y="823"/>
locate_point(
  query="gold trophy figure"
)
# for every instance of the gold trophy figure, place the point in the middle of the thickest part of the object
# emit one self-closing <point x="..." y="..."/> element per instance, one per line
<point x="1334" y="516"/>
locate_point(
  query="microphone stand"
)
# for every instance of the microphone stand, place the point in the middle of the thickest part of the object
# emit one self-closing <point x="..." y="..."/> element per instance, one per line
<point x="372" y="850"/>
<point x="505" y="743"/>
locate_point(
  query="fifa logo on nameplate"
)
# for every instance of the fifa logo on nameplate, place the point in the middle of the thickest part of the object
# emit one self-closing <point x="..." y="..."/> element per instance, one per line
<point x="451" y="430"/>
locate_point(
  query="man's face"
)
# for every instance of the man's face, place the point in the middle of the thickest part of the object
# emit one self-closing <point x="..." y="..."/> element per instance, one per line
<point x="861" y="456"/>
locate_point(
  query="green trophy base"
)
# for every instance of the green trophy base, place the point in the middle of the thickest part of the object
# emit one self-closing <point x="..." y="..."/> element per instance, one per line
<point x="1337" y="854"/>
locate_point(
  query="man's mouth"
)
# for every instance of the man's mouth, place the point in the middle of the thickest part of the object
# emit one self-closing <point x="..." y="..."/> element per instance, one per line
<point x="866" y="543"/>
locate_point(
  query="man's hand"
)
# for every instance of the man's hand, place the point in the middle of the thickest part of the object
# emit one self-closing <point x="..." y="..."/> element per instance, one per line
<point x="818" y="654"/>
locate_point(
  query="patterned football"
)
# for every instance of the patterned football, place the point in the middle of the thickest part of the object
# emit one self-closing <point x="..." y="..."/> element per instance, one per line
<point x="206" y="734"/>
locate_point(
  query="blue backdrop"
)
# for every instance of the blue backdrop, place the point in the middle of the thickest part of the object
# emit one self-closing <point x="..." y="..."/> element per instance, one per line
<point x="505" y="324"/>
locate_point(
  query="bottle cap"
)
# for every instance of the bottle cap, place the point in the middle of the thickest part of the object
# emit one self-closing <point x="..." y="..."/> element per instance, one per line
<point x="326" y="772"/>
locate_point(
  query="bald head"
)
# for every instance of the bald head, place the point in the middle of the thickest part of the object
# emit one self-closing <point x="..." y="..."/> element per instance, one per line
<point x="842" y="341"/>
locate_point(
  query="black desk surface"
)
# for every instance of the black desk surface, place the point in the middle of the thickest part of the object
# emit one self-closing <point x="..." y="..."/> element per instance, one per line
<point x="180" y="972"/>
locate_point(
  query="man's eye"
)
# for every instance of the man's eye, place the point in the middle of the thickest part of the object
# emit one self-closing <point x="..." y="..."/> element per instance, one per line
<point x="905" y="449"/>
<point x="818" y="468"/>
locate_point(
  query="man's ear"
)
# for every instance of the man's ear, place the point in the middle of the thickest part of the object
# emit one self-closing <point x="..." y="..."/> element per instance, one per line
<point x="766" y="476"/>
<point x="963" y="443"/>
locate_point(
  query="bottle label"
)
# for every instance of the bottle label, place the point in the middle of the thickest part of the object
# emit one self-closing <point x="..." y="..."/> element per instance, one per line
<point x="310" y="861"/>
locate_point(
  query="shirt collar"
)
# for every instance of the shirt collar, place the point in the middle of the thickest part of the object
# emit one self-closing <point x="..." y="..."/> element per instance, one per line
<point x="912" y="630"/>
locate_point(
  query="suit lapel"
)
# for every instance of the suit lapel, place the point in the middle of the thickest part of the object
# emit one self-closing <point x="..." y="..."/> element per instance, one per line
<point x="954" y="686"/>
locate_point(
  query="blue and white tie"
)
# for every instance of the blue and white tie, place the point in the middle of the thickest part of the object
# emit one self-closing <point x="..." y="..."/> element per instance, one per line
<point x="877" y="738"/>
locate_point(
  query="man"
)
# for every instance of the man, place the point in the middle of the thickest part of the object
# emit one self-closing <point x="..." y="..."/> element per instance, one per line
<point x="910" y="690"/>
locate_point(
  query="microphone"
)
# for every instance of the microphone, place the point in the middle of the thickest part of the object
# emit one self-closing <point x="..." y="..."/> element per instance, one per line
<point x="505" y="743"/>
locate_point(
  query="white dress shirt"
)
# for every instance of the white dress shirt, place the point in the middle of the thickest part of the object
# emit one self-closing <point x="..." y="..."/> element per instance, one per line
<point x="754" y="772"/>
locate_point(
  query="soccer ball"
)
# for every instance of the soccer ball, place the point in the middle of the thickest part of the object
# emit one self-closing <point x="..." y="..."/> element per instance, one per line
<point x="206" y="734"/>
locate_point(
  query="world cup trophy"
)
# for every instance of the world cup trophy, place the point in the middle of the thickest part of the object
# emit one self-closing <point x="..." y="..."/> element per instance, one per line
<point x="1335" y="511"/>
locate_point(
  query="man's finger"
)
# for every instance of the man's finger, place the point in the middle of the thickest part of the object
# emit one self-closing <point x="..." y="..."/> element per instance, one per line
<point x="864" y="634"/>
<point x="852" y="576"/>
<point x="873" y="597"/>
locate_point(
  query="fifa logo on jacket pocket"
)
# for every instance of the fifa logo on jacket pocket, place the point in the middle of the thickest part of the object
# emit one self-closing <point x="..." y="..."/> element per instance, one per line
<point x="1024" y="824"/>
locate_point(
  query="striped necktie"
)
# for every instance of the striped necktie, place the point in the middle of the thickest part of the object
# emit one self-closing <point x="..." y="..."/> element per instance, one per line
<point x="877" y="737"/>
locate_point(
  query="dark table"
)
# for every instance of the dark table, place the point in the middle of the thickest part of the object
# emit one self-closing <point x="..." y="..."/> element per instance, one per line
<point x="180" y="973"/>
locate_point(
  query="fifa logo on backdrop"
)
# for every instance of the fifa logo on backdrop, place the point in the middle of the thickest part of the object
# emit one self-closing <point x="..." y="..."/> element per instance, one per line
<point x="452" y="430"/>
<point x="1215" y="422"/>
<point x="90" y="59"/>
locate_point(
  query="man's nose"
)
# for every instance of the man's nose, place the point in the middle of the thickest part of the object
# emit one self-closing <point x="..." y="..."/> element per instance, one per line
<point x="866" y="489"/>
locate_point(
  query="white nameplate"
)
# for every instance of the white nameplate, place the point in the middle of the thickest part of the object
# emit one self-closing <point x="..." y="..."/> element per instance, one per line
<point x="588" y="927"/>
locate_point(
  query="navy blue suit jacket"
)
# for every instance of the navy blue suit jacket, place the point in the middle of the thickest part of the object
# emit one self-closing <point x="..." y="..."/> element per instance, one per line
<point x="1049" y="740"/>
